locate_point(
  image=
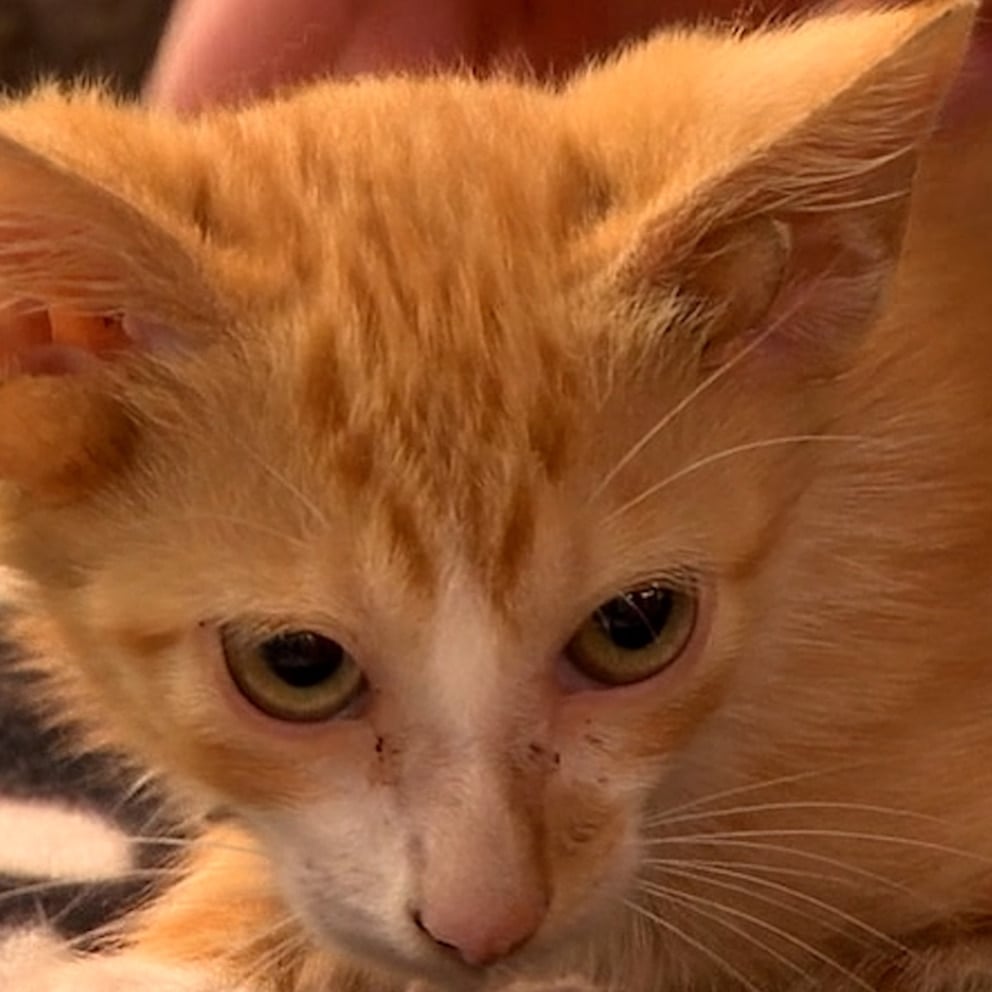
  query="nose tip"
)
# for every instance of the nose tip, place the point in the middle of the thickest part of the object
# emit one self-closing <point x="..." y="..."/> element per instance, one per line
<point x="482" y="938"/>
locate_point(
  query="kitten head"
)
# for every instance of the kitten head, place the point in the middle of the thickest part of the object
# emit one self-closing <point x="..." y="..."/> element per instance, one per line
<point x="435" y="473"/>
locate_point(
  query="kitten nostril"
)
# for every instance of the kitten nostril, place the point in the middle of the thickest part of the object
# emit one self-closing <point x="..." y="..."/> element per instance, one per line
<point x="418" y="922"/>
<point x="477" y="940"/>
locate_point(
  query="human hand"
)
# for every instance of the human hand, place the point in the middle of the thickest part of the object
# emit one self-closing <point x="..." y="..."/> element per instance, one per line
<point x="220" y="50"/>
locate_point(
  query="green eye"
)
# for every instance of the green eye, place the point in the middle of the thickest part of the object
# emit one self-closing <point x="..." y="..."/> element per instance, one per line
<point x="635" y="635"/>
<point x="299" y="676"/>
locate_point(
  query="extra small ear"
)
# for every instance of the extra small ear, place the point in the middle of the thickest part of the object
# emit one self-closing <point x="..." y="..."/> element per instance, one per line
<point x="84" y="276"/>
<point x="801" y="235"/>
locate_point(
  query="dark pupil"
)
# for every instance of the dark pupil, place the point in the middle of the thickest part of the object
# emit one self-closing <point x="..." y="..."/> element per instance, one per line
<point x="302" y="661"/>
<point x="634" y="620"/>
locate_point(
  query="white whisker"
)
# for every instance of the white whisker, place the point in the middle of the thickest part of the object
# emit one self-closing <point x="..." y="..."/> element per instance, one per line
<point x="769" y="848"/>
<point x="714" y="377"/>
<point x="787" y="806"/>
<point x="767" y="783"/>
<point x="717" y="959"/>
<point x="816" y="876"/>
<point x="711" y="380"/>
<point x="718" y="915"/>
<point x="785" y="832"/>
<point x="287" y="484"/>
<point x="56" y="884"/>
<point x="789" y="938"/>
<point x="257" y="526"/>
<point x="718" y="456"/>
<point x="193" y="844"/>
<point x="692" y="870"/>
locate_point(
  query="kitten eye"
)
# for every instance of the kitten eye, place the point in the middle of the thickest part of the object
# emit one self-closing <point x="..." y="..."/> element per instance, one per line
<point x="299" y="676"/>
<point x="635" y="635"/>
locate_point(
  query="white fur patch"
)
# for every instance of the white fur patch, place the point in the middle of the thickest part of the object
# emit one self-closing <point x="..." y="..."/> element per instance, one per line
<point x="47" y="839"/>
<point x="464" y="659"/>
<point x="33" y="961"/>
<point x="29" y="949"/>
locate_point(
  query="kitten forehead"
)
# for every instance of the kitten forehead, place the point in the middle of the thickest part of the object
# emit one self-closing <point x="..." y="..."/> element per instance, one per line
<point x="444" y="403"/>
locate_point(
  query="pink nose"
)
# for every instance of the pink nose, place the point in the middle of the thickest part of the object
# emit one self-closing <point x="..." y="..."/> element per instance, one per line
<point x="486" y="935"/>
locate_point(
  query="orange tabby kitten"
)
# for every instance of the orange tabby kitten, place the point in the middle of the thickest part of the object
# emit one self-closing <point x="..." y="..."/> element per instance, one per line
<point x="556" y="527"/>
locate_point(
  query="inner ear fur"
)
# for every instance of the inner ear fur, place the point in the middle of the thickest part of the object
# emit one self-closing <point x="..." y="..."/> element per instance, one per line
<point x="805" y="231"/>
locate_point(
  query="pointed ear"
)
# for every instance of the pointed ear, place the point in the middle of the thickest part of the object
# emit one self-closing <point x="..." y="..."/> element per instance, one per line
<point x="69" y="242"/>
<point x="799" y="236"/>
<point x="85" y="277"/>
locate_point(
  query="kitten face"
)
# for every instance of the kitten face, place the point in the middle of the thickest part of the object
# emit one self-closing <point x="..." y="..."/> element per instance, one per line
<point x="475" y="508"/>
<point x="480" y="773"/>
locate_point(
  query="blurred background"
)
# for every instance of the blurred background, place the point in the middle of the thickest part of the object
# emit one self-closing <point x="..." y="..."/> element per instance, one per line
<point x="110" y="39"/>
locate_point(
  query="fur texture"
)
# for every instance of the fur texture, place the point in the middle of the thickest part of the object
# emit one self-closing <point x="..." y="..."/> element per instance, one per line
<point x="435" y="368"/>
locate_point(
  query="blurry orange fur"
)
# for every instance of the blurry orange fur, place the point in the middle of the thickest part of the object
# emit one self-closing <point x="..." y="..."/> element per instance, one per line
<point x="450" y="363"/>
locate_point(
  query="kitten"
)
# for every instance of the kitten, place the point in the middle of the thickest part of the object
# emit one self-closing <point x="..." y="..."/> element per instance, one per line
<point x="556" y="526"/>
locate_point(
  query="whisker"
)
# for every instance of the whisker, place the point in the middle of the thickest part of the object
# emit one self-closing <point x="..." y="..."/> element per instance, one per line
<point x="226" y="518"/>
<point x="55" y="884"/>
<point x="193" y="843"/>
<point x="259" y="965"/>
<point x="697" y="945"/>
<point x="145" y="781"/>
<point x="787" y="890"/>
<point x="864" y="873"/>
<point x="115" y="935"/>
<point x="800" y="944"/>
<point x="298" y="494"/>
<point x="694" y="903"/>
<point x="711" y="380"/>
<point x="913" y="842"/>
<point x="722" y="455"/>
<point x="666" y="820"/>
<point x="768" y="783"/>
<point x="817" y="876"/>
